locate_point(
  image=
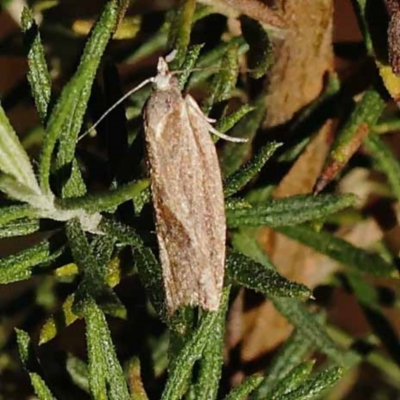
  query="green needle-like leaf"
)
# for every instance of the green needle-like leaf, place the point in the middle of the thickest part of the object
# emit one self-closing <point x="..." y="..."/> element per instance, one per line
<point x="20" y="266"/>
<point x="244" y="174"/>
<point x="210" y="369"/>
<point x="288" y="211"/>
<point x="103" y="201"/>
<point x="12" y="213"/>
<point x="224" y="81"/>
<point x="292" y="380"/>
<point x="310" y="328"/>
<point x="106" y="378"/>
<point x="245" y="388"/>
<point x="315" y="385"/>
<point x="78" y="371"/>
<point x="189" y="63"/>
<point x="289" y="355"/>
<point x="261" y="54"/>
<point x="93" y="284"/>
<point x="66" y="118"/>
<point x="307" y="325"/>
<point x="38" y="74"/>
<point x="225" y="123"/>
<point x="31" y="364"/>
<point x="148" y="267"/>
<point x="386" y="160"/>
<point x="179" y="31"/>
<point x="19" y="228"/>
<point x="190" y="353"/>
<point x="13" y="159"/>
<point x="253" y="275"/>
<point x="340" y="250"/>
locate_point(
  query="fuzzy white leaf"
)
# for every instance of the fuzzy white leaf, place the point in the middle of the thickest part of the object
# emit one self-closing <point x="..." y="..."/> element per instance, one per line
<point x="13" y="158"/>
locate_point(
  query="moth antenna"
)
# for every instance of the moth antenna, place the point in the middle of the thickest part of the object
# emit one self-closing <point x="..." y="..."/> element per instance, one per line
<point x="116" y="104"/>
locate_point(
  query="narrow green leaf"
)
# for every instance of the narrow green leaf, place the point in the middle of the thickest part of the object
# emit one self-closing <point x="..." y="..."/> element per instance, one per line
<point x="364" y="292"/>
<point x="381" y="326"/>
<point x="310" y="328"/>
<point x="226" y="123"/>
<point x="148" y="267"/>
<point x="366" y="113"/>
<point x="387" y="125"/>
<point x="40" y="387"/>
<point x="289" y="211"/>
<point x="98" y="202"/>
<point x="260" y="55"/>
<point x="386" y="160"/>
<point x="340" y="250"/>
<point x="292" y="380"/>
<point x="182" y="366"/>
<point x="73" y="185"/>
<point x="38" y="73"/>
<point x="316" y="385"/>
<point x="245" y="388"/>
<point x="106" y="378"/>
<point x="375" y="358"/>
<point x="189" y="63"/>
<point x="179" y="31"/>
<point x="20" y="227"/>
<point x="101" y="247"/>
<point x="93" y="284"/>
<point x="66" y="117"/>
<point x="244" y="174"/>
<point x="32" y="366"/>
<point x="16" y="191"/>
<point x="13" y="159"/>
<point x="78" y="371"/>
<point x="207" y="385"/>
<point x="360" y="8"/>
<point x="211" y="58"/>
<point x="232" y="155"/>
<point x="350" y="137"/>
<point x="60" y="320"/>
<point x="253" y="275"/>
<point x="21" y="266"/>
<point x="292" y="353"/>
<point x="24" y="346"/>
<point x="224" y="82"/>
<point x="12" y="213"/>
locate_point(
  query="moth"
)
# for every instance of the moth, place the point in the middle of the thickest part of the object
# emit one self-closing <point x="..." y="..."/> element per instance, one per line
<point x="187" y="193"/>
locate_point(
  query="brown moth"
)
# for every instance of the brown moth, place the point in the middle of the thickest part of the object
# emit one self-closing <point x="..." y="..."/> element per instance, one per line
<point x="187" y="194"/>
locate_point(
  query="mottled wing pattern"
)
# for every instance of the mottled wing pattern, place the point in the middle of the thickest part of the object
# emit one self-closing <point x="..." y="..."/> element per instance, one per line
<point x="188" y="200"/>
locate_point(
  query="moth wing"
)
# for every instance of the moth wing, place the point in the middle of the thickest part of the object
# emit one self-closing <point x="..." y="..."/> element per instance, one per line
<point x="189" y="205"/>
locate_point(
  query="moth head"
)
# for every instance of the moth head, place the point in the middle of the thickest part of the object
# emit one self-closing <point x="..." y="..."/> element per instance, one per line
<point x="164" y="77"/>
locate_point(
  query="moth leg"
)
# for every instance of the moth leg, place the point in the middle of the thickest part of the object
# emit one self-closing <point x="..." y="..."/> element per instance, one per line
<point x="192" y="105"/>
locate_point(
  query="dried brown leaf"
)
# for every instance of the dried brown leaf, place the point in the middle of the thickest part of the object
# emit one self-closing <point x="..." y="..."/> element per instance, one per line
<point x="292" y="259"/>
<point x="303" y="58"/>
<point x="255" y="9"/>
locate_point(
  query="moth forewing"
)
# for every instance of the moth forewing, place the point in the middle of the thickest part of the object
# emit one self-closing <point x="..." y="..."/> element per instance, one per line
<point x="187" y="195"/>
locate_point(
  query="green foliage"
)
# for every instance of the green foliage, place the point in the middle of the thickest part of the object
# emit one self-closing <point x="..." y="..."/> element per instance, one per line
<point x="83" y="230"/>
<point x="288" y="211"/>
